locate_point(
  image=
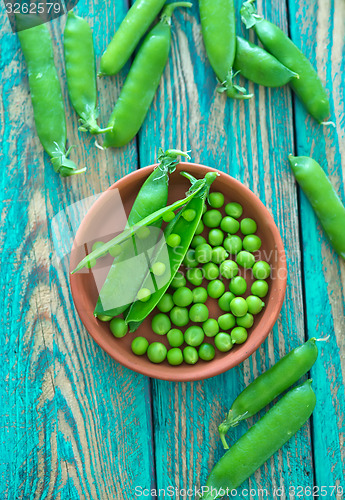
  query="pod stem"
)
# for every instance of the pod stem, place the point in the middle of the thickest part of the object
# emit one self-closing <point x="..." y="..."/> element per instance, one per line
<point x="169" y="159"/>
<point x="249" y="14"/>
<point x="232" y="90"/>
<point x="89" y="124"/>
<point x="231" y="420"/>
<point x="332" y="124"/>
<point x="169" y="9"/>
<point x="64" y="166"/>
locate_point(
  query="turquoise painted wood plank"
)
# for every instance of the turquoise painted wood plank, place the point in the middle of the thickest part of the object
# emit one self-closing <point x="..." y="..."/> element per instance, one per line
<point x="251" y="142"/>
<point x="319" y="30"/>
<point x="74" y="423"/>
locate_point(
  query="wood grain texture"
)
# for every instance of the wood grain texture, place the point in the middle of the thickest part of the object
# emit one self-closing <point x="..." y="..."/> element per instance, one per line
<point x="73" y="423"/>
<point x="319" y="31"/>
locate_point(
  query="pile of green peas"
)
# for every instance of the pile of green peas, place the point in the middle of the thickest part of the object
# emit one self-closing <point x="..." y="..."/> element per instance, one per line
<point x="222" y="251"/>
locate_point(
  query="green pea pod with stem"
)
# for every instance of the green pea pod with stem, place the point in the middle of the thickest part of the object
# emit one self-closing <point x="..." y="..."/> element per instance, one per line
<point x="323" y="198"/>
<point x="308" y="86"/>
<point x="186" y="230"/>
<point x="142" y="81"/>
<point x="269" y="385"/>
<point x="46" y="97"/>
<point x="259" y="66"/>
<point x="137" y="21"/>
<point x="131" y="231"/>
<point x="153" y="195"/>
<point x="219" y="34"/>
<point x="81" y="72"/>
<point x="261" y="441"/>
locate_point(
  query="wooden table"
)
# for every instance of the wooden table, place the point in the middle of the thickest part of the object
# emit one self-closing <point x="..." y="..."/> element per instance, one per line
<point x="74" y="423"/>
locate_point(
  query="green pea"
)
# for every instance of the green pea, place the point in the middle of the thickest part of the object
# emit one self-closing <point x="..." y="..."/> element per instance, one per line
<point x="226" y="321"/>
<point x="216" y="200"/>
<point x="175" y="356"/>
<point x="169" y="216"/>
<point x="199" y="295"/>
<point x="104" y="317"/>
<point x="190" y="260"/>
<point x="207" y="352"/>
<point x="198" y="313"/>
<point x="97" y="245"/>
<point x="229" y="225"/>
<point x="183" y="297"/>
<point x="144" y="294"/>
<point x="179" y="316"/>
<point x="215" y="289"/>
<point x="194" y="335"/>
<point x="139" y="346"/>
<point x="189" y="214"/>
<point x="204" y="208"/>
<point x="161" y="324"/>
<point x="166" y="303"/>
<point x="115" y="250"/>
<point x="211" y="271"/>
<point x="224" y="301"/>
<point x="200" y="227"/>
<point x="251" y="243"/>
<point x="246" y="321"/>
<point x="238" y="335"/>
<point x="173" y="240"/>
<point x="261" y="270"/>
<point x="210" y="327"/>
<point x="219" y="254"/>
<point x="158" y="268"/>
<point x="215" y="237"/>
<point x="233" y="244"/>
<point x="203" y="253"/>
<point x="238" y="285"/>
<point x="223" y="342"/>
<point x="255" y="304"/>
<point x="197" y="240"/>
<point x="239" y="307"/>
<point x="143" y="233"/>
<point x="175" y="337"/>
<point x="118" y="327"/>
<point x="195" y="276"/>
<point x="190" y="355"/>
<point x="212" y="218"/>
<point x="234" y="209"/>
<point x="245" y="259"/>
<point x="228" y="269"/>
<point x="259" y="288"/>
<point x="178" y="281"/>
<point x="157" y="352"/>
<point x="248" y="226"/>
<point x="91" y="263"/>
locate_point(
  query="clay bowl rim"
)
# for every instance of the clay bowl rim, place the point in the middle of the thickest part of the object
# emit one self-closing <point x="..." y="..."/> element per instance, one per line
<point x="211" y="368"/>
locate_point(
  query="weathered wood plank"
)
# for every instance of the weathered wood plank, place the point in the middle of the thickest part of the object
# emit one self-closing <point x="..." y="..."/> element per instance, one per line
<point x="251" y="142"/>
<point x="319" y="30"/>
<point x="75" y="424"/>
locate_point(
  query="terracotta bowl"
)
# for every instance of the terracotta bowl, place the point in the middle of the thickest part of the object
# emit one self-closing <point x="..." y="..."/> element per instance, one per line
<point x="84" y="289"/>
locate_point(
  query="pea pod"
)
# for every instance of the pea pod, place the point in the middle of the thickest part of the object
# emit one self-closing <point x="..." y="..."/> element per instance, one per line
<point x="261" y="441"/>
<point x="186" y="230"/>
<point x="142" y="81"/>
<point x="132" y="231"/>
<point x="308" y="87"/>
<point x="269" y="385"/>
<point x="219" y="33"/>
<point x="323" y="198"/>
<point x="122" y="283"/>
<point x="46" y="97"/>
<point x="81" y="72"/>
<point x="137" y="21"/>
<point x="259" y="66"/>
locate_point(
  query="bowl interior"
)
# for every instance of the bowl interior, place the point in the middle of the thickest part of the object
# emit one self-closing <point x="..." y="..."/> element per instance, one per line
<point x="100" y="221"/>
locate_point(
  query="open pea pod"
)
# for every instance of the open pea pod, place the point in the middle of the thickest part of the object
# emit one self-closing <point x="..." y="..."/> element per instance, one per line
<point x="186" y="230"/>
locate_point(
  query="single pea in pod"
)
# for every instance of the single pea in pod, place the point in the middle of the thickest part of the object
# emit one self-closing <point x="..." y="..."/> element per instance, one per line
<point x="142" y="81"/>
<point x="46" y="97"/>
<point x="269" y="385"/>
<point x="81" y="72"/>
